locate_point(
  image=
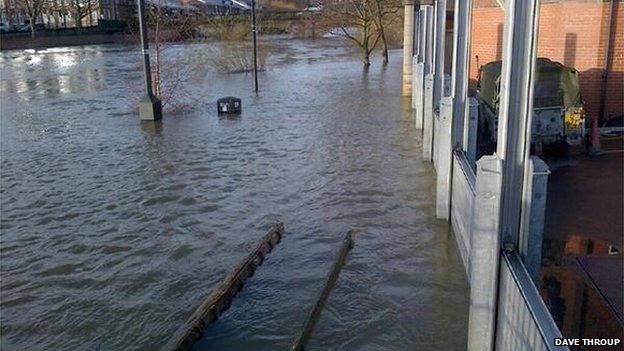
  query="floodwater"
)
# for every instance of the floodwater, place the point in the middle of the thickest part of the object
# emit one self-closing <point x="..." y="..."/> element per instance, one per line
<point x="113" y="230"/>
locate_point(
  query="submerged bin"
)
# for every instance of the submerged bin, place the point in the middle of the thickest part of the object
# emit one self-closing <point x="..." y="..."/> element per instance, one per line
<point x="229" y="105"/>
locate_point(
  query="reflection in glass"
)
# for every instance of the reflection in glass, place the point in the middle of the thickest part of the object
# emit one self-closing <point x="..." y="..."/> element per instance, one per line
<point x="486" y="49"/>
<point x="578" y="81"/>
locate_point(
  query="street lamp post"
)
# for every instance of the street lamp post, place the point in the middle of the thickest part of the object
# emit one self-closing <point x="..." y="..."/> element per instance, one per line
<point x="255" y="44"/>
<point x="150" y="107"/>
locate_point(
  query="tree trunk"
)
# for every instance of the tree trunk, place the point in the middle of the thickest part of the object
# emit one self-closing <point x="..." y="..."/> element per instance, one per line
<point x="32" y="29"/>
<point x="90" y="13"/>
<point x="78" y="19"/>
<point x="365" y="46"/>
<point x="64" y="13"/>
<point x="366" y="57"/>
<point x="55" y="13"/>
<point x="384" y="51"/>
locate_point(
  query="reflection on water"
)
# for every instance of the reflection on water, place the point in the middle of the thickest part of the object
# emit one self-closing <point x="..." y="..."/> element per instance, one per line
<point x="113" y="230"/>
<point x="50" y="72"/>
<point x="152" y="128"/>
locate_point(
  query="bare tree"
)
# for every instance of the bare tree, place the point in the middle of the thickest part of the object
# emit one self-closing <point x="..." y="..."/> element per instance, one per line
<point x="81" y="9"/>
<point x="383" y="13"/>
<point x="235" y="57"/>
<point x="166" y="27"/>
<point x="33" y="9"/>
<point x="173" y="68"/>
<point x="63" y="10"/>
<point x="55" y="11"/>
<point x="355" y="20"/>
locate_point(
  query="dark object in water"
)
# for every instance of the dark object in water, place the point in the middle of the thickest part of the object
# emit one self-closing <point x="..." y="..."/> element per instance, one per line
<point x="229" y="105"/>
<point x="221" y="298"/>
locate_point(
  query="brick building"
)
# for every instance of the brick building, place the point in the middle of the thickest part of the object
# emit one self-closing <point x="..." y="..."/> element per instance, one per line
<point x="573" y="32"/>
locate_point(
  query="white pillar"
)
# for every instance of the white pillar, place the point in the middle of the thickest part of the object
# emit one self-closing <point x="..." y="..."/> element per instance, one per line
<point x="418" y="91"/>
<point x="427" y="143"/>
<point x="424" y="64"/>
<point x="444" y="158"/>
<point x="484" y="254"/>
<point x="408" y="46"/>
<point x="428" y="38"/>
<point x="439" y="52"/>
<point x="416" y="73"/>
<point x="416" y="57"/>
<point x="436" y="127"/>
<point x="416" y="32"/>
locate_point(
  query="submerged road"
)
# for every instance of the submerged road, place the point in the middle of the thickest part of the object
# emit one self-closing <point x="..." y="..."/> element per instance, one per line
<point x="113" y="231"/>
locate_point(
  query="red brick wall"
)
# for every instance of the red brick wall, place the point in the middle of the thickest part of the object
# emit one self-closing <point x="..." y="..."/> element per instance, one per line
<point x="573" y="32"/>
<point x="487" y="35"/>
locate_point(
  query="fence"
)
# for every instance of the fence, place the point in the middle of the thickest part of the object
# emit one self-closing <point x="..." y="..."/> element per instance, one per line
<point x="523" y="322"/>
<point x="506" y="311"/>
<point x="462" y="200"/>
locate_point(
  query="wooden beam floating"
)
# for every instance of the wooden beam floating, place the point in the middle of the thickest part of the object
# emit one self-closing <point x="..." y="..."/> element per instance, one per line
<point x="303" y="338"/>
<point x="221" y="298"/>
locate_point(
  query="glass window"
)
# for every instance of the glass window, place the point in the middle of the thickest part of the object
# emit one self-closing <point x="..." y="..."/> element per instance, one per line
<point x="577" y="89"/>
<point x="486" y="50"/>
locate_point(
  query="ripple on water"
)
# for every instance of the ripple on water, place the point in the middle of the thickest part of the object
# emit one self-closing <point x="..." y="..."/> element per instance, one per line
<point x="181" y="252"/>
<point x="62" y="269"/>
<point x="188" y="201"/>
<point x="113" y="249"/>
<point x="157" y="200"/>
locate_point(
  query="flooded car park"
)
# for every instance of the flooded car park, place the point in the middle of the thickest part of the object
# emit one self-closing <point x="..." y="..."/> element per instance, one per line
<point x="114" y="230"/>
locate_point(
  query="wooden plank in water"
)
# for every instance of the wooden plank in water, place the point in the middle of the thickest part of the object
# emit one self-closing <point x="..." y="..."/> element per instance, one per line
<point x="221" y="298"/>
<point x="303" y="338"/>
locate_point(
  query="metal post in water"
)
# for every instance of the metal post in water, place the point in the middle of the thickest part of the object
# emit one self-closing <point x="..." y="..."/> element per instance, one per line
<point x="150" y="108"/>
<point x="305" y="335"/>
<point x="255" y="43"/>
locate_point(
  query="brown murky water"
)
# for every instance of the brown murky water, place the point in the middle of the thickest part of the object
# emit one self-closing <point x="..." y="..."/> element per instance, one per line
<point x="113" y="231"/>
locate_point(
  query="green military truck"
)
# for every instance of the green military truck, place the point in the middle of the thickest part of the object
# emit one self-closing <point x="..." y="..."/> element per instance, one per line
<point x="558" y="115"/>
